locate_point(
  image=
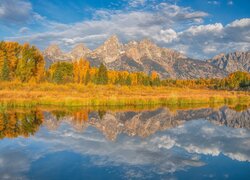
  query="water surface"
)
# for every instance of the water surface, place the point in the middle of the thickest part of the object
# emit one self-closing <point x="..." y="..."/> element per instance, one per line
<point x="200" y="143"/>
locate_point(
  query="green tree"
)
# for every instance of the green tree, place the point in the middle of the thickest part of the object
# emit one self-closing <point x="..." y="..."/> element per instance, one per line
<point x="237" y="79"/>
<point x="30" y="64"/>
<point x="128" y="81"/>
<point x="62" y="72"/>
<point x="102" y="75"/>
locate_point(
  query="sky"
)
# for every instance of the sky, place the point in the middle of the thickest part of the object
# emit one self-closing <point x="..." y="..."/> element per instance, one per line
<point x="198" y="28"/>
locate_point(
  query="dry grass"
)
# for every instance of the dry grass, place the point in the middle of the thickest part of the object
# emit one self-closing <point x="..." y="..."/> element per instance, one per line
<point x="18" y="94"/>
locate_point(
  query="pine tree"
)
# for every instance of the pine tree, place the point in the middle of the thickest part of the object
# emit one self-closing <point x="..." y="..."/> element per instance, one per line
<point x="102" y="75"/>
<point x="58" y="76"/>
<point x="128" y="81"/>
<point x="62" y="72"/>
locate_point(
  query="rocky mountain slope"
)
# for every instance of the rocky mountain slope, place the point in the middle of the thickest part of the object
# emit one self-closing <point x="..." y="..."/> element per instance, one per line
<point x="236" y="61"/>
<point x="147" y="57"/>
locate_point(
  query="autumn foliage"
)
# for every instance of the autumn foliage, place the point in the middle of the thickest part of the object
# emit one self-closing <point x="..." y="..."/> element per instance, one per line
<point x="21" y="62"/>
<point x="25" y="63"/>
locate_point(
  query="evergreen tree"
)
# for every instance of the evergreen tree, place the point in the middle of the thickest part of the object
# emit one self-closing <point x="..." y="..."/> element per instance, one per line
<point x="58" y="76"/>
<point x="102" y="75"/>
<point x="128" y="81"/>
<point x="156" y="81"/>
<point x="62" y="72"/>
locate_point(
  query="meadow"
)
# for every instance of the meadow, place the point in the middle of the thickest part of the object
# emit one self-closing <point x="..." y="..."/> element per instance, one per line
<point x="16" y="94"/>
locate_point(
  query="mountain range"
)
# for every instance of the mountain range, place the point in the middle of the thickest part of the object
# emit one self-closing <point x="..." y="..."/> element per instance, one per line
<point x="147" y="57"/>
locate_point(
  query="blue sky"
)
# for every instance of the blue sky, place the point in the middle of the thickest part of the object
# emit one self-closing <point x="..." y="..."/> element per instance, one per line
<point x="198" y="28"/>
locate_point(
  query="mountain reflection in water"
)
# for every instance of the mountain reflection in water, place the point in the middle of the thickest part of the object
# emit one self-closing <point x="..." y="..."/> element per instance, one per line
<point x="158" y="143"/>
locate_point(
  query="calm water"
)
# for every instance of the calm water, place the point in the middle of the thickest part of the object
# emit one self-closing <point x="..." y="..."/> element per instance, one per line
<point x="202" y="143"/>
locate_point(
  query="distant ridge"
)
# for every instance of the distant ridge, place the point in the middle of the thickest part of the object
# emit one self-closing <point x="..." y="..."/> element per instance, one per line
<point x="147" y="57"/>
<point x="231" y="62"/>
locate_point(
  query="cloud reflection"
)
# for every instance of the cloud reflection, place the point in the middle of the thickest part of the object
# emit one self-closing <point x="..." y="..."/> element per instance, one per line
<point x="164" y="152"/>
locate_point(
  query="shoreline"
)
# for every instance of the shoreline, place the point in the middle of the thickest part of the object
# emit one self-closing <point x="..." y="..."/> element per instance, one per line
<point x="75" y="95"/>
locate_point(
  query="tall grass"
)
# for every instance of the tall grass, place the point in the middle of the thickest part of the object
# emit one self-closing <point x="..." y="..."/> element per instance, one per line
<point x="14" y="94"/>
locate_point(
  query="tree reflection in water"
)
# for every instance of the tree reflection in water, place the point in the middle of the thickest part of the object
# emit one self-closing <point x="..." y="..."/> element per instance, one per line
<point x="18" y="123"/>
<point x="134" y="122"/>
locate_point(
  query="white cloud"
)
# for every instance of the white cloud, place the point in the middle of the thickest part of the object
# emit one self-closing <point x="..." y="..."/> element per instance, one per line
<point x="210" y="49"/>
<point x="245" y="22"/>
<point x="167" y="35"/>
<point x="208" y="40"/>
<point x="203" y="29"/>
<point x="168" y="25"/>
<point x="24" y="30"/>
<point x="128" y="25"/>
<point x="15" y="11"/>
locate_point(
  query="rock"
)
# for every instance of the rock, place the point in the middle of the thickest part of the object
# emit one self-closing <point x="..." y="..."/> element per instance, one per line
<point x="109" y="51"/>
<point x="79" y="51"/>
<point x="236" y="61"/>
<point x="146" y="56"/>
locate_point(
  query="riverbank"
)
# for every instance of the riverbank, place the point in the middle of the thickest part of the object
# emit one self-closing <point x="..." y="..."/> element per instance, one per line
<point x="17" y="94"/>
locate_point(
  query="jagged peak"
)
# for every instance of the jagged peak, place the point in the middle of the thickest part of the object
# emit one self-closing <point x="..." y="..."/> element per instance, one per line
<point x="111" y="43"/>
<point x="238" y="53"/>
<point x="112" y="39"/>
<point x="143" y="43"/>
<point x="53" y="46"/>
<point x="147" y="42"/>
<point x="218" y="56"/>
<point x="53" y="49"/>
<point x="235" y="53"/>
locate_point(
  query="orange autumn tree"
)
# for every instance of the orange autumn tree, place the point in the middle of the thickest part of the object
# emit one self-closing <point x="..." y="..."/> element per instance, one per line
<point x="155" y="78"/>
<point x="21" y="62"/>
<point x="81" y="70"/>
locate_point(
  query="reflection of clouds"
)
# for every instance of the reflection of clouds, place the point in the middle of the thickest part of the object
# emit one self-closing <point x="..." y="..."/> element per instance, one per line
<point x="204" y="138"/>
<point x="164" y="152"/>
<point x="199" y="137"/>
<point x="13" y="165"/>
<point x="125" y="151"/>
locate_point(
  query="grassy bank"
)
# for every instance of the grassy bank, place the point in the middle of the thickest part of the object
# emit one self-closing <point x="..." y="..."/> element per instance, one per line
<point x="25" y="95"/>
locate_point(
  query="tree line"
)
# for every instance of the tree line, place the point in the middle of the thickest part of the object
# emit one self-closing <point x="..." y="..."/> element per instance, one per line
<point x="25" y="63"/>
<point x="81" y="72"/>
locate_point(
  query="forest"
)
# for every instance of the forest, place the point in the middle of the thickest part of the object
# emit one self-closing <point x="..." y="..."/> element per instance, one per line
<point x="25" y="64"/>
